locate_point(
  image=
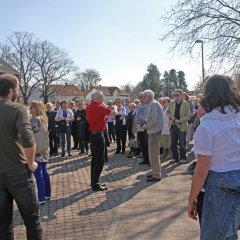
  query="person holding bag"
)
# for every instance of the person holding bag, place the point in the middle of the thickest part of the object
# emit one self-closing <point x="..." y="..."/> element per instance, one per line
<point x="39" y="123"/>
<point x="64" y="118"/>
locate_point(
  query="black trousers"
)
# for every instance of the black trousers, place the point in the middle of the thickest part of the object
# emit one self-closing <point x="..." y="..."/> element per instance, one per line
<point x="121" y="135"/>
<point x="53" y="141"/>
<point x="22" y="188"/>
<point x="111" y="132"/>
<point x="143" y="142"/>
<point x="200" y="206"/>
<point x="98" y="156"/>
<point x="74" y="132"/>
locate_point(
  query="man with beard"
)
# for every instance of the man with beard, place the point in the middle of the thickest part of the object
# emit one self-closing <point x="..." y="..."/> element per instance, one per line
<point x="17" y="163"/>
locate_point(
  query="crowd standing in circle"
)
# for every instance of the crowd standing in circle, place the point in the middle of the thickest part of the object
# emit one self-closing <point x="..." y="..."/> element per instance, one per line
<point x="153" y="129"/>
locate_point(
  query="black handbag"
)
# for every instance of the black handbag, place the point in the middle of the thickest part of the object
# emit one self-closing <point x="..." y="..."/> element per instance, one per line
<point x="62" y="126"/>
<point x="83" y="131"/>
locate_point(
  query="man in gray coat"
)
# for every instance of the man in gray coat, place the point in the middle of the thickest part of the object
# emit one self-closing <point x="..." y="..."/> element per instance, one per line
<point x="154" y="125"/>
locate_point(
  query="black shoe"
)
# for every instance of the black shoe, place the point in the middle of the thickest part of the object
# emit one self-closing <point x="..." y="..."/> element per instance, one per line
<point x="123" y="152"/>
<point x="55" y="154"/>
<point x="90" y="155"/>
<point x="143" y="162"/>
<point x="63" y="155"/>
<point x="117" y="152"/>
<point x="99" y="188"/>
<point x="74" y="148"/>
<point x="153" y="179"/>
<point x="149" y="176"/>
<point x="69" y="154"/>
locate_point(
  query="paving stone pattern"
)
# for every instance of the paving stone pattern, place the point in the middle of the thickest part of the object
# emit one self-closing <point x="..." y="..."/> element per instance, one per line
<point x="131" y="208"/>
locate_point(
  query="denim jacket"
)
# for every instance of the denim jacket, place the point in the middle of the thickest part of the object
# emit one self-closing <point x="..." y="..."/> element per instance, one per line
<point x="221" y="211"/>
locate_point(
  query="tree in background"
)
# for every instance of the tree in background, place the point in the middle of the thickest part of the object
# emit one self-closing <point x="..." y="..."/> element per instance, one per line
<point x="173" y="80"/>
<point x="87" y="79"/>
<point x="151" y="80"/>
<point x="18" y="52"/>
<point x="40" y="63"/>
<point x="53" y="65"/>
<point x="215" y="22"/>
<point x="181" y="80"/>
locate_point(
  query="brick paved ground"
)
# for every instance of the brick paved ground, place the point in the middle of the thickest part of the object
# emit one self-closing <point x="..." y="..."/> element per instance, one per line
<point x="130" y="209"/>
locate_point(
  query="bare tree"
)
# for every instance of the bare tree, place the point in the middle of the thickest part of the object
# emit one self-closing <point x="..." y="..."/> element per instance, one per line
<point x="215" y="22"/>
<point x="87" y="79"/>
<point x="53" y="65"/>
<point x="18" y="52"/>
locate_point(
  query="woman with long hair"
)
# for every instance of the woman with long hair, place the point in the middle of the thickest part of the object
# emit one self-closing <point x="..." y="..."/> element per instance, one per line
<point x="217" y="146"/>
<point x="39" y="121"/>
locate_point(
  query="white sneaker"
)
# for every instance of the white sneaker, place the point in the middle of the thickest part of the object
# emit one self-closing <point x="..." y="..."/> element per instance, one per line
<point x="42" y="202"/>
<point x="173" y="160"/>
<point x="183" y="161"/>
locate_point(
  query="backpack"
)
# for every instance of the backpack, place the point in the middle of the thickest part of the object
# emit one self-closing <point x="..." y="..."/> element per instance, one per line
<point x="41" y="138"/>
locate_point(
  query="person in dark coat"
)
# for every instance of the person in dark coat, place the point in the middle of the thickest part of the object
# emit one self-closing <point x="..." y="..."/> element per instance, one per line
<point x="52" y="129"/>
<point x="81" y="128"/>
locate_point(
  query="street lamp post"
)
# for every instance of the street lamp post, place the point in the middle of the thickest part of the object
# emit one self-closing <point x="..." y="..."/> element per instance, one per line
<point x="203" y="75"/>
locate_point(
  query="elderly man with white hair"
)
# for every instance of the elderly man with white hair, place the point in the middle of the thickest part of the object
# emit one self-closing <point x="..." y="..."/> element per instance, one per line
<point x="96" y="116"/>
<point x="154" y="125"/>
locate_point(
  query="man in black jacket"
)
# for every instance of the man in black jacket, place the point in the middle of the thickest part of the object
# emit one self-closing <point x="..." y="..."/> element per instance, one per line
<point x="52" y="128"/>
<point x="81" y="132"/>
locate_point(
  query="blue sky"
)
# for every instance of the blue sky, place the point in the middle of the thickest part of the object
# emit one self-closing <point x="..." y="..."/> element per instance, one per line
<point x="118" y="38"/>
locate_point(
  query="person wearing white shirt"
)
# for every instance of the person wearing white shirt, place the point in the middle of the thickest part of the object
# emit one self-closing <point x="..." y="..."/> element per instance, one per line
<point x="110" y="122"/>
<point x="217" y="147"/>
<point x="166" y="135"/>
<point x="64" y="117"/>
<point x="120" y="126"/>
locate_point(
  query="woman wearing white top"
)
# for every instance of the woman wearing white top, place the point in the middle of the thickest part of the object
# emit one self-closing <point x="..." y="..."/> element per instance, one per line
<point x="217" y="146"/>
<point x="120" y="126"/>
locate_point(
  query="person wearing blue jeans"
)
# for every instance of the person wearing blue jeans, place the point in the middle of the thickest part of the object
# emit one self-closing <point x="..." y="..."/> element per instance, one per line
<point x="66" y="137"/>
<point x="178" y="138"/>
<point x="43" y="182"/>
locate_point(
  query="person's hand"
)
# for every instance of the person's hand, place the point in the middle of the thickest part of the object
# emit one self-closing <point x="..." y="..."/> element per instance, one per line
<point x="192" y="210"/>
<point x="177" y="121"/>
<point x="33" y="166"/>
<point x="144" y="127"/>
<point x="122" y="117"/>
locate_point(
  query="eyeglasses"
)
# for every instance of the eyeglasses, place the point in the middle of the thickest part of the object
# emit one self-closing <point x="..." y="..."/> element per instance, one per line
<point x="176" y="95"/>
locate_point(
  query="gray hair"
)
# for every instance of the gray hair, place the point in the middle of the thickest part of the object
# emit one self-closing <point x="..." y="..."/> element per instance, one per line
<point x="49" y="104"/>
<point x="149" y="93"/>
<point x="96" y="95"/>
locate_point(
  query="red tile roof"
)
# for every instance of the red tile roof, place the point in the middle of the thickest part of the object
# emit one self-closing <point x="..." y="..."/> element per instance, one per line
<point x="108" y="91"/>
<point x="67" y="90"/>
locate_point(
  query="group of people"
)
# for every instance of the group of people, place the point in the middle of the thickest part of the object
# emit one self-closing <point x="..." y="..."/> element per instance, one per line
<point x="164" y="125"/>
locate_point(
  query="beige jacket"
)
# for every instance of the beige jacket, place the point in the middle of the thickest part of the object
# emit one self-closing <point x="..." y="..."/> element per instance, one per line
<point x="184" y="114"/>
